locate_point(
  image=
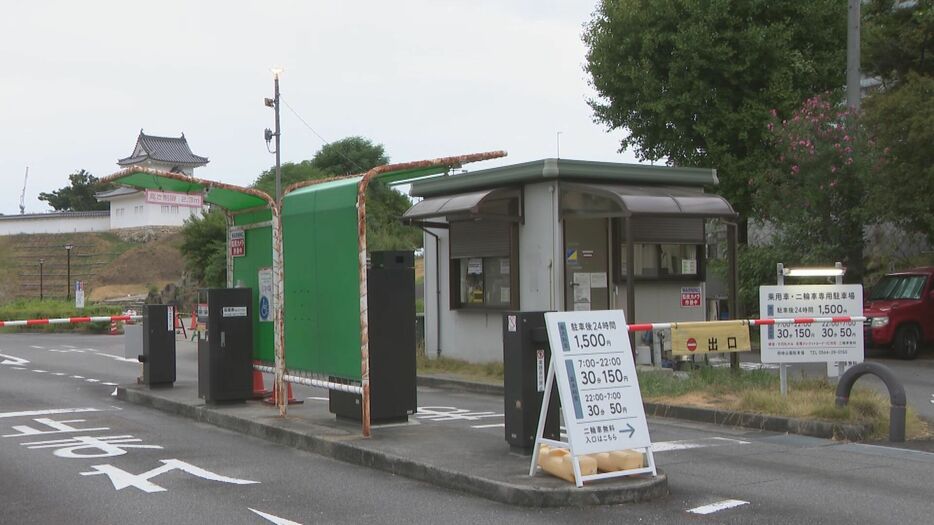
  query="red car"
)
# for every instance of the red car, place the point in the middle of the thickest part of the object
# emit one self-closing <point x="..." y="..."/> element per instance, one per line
<point x="900" y="312"/>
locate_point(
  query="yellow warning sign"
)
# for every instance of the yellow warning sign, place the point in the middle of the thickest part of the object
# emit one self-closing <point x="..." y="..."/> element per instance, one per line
<point x="712" y="336"/>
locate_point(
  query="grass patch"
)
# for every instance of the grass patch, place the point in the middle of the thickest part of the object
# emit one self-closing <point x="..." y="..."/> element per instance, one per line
<point x="750" y="391"/>
<point x="486" y="372"/>
<point x="758" y="392"/>
<point x="54" y="308"/>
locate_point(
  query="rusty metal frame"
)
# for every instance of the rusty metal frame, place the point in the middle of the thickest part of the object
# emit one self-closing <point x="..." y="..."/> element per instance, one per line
<point x="450" y="162"/>
<point x="277" y="270"/>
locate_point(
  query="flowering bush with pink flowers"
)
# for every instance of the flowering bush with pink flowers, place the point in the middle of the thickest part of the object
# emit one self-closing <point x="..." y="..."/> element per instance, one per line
<point x="816" y="189"/>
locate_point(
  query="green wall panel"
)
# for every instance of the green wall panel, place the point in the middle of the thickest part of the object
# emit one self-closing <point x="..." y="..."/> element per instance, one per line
<point x="322" y="285"/>
<point x="246" y="274"/>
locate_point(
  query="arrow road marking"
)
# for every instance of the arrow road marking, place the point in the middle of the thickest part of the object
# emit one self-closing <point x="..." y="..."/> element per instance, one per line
<point x="12" y="360"/>
<point x="275" y="519"/>
<point x="718" y="506"/>
<point x="666" y="446"/>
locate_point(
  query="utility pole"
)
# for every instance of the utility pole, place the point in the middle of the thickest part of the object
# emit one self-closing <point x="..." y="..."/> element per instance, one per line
<point x="274" y="104"/>
<point x="852" y="56"/>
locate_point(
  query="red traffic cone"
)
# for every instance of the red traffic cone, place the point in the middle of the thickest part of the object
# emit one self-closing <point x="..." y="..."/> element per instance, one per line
<point x="113" y="328"/>
<point x="274" y="399"/>
<point x="259" y="390"/>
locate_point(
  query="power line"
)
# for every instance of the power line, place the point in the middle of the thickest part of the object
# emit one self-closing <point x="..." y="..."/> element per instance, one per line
<point x="324" y="140"/>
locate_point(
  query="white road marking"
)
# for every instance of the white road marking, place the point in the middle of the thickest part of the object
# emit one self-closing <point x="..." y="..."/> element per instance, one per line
<point x="93" y="380"/>
<point x="12" y="360"/>
<point x="122" y="479"/>
<point x="58" y="373"/>
<point x="275" y="519"/>
<point x="718" y="506"/>
<point x="36" y="370"/>
<point x="36" y="347"/>
<point x="17" y="368"/>
<point x="77" y="377"/>
<point x="109" y="384"/>
<point x="114" y="394"/>
<point x="29" y="413"/>
<point x="666" y="446"/>
<point x="498" y="425"/>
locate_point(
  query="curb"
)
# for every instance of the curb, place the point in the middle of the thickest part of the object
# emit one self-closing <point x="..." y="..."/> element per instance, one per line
<point x="632" y="490"/>
<point x="804" y="427"/>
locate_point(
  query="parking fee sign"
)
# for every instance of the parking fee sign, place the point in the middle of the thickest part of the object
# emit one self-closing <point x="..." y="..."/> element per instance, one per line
<point x="815" y="342"/>
<point x="600" y="398"/>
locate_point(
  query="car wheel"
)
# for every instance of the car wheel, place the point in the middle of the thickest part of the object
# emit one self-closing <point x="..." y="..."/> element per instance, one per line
<point x="907" y="342"/>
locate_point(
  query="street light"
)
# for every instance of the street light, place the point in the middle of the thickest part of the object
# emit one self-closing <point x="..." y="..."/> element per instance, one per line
<point x="68" y="248"/>
<point x="41" y="262"/>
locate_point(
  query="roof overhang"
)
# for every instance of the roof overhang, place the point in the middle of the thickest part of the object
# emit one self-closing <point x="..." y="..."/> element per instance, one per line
<point x="565" y="170"/>
<point x="227" y="196"/>
<point x="659" y="201"/>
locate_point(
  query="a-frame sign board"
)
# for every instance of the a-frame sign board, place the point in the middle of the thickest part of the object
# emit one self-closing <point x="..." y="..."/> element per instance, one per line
<point x="591" y="359"/>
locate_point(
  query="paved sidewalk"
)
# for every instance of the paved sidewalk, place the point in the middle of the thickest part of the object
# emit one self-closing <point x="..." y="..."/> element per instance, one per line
<point x="479" y="464"/>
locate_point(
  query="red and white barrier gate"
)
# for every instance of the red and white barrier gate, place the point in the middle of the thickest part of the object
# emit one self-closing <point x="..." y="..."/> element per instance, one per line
<point x="645" y="327"/>
<point x="71" y="320"/>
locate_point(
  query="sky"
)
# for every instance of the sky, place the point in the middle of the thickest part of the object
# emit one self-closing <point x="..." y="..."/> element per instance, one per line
<point x="425" y="78"/>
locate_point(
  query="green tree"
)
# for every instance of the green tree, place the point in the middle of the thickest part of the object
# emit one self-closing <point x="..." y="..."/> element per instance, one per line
<point x="78" y="195"/>
<point x="204" y="248"/>
<point x="355" y="155"/>
<point x="897" y="38"/>
<point x="815" y="191"/>
<point x="693" y="81"/>
<point x="902" y="120"/>
<point x="291" y="172"/>
<point x="349" y="156"/>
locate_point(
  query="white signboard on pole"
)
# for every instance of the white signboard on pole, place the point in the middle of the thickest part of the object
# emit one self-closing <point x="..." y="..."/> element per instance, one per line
<point x="811" y="342"/>
<point x="591" y="359"/>
<point x="79" y="294"/>
<point x="266" y="297"/>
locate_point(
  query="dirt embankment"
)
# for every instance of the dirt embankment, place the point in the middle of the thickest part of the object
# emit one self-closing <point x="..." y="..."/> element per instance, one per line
<point x="141" y="268"/>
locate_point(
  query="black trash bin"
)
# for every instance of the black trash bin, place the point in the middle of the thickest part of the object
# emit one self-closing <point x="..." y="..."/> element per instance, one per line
<point x="526" y="357"/>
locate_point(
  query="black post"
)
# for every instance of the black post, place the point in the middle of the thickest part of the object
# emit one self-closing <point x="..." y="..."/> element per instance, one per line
<point x="68" y="248"/>
<point x="41" y="262"/>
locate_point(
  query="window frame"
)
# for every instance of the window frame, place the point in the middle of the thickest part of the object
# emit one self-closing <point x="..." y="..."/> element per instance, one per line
<point x="454" y="271"/>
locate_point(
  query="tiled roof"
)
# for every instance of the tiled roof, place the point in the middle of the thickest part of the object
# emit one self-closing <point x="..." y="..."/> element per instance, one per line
<point x="56" y="215"/>
<point x="164" y="149"/>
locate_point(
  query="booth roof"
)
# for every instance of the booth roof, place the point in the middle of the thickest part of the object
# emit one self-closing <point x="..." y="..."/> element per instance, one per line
<point x="564" y="169"/>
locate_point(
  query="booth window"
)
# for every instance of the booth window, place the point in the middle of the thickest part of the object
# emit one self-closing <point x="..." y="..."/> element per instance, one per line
<point x="664" y="261"/>
<point x="484" y="265"/>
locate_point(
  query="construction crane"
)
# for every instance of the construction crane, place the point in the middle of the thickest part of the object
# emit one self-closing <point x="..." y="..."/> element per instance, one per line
<point x="22" y="196"/>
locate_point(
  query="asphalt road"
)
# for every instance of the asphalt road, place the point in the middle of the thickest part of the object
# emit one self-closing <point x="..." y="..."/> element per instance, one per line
<point x="154" y="468"/>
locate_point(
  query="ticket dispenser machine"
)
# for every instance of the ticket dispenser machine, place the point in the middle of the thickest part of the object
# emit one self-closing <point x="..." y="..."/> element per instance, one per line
<point x="390" y="280"/>
<point x="225" y="350"/>
<point x="158" y="356"/>
<point x="526" y="358"/>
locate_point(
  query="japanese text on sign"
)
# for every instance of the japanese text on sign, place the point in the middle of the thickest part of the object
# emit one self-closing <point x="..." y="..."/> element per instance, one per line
<point x="690" y="297"/>
<point x="237" y="243"/>
<point x="812" y="342"/>
<point x="712" y="336"/>
<point x="596" y="376"/>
